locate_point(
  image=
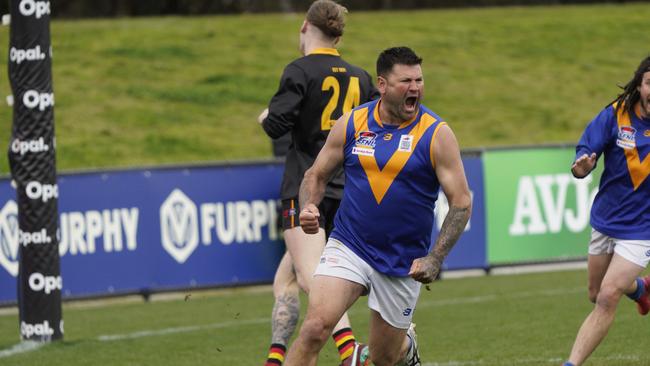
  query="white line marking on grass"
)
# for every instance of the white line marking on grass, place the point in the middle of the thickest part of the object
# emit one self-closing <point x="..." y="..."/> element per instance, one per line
<point x="457" y="301"/>
<point x="486" y="298"/>
<point x="235" y="323"/>
<point x="551" y="292"/>
<point x="186" y="329"/>
<point x="22" y="347"/>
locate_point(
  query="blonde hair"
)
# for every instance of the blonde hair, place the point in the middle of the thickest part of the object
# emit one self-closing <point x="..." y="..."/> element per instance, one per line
<point x="328" y="16"/>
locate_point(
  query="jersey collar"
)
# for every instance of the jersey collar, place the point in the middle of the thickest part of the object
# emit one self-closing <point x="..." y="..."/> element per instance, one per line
<point x="325" y="51"/>
<point x="404" y="124"/>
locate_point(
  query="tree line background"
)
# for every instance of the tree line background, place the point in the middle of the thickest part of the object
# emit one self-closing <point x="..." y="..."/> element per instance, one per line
<point x="121" y="8"/>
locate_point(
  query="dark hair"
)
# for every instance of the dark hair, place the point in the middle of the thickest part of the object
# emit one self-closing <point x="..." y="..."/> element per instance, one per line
<point x="396" y="55"/>
<point x="328" y="16"/>
<point x="630" y="95"/>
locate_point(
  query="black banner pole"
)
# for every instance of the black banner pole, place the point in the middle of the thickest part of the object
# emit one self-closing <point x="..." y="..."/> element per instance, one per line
<point x="33" y="168"/>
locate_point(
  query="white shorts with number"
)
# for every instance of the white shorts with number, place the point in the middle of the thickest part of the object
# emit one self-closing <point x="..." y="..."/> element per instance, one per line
<point x="635" y="251"/>
<point x="394" y="298"/>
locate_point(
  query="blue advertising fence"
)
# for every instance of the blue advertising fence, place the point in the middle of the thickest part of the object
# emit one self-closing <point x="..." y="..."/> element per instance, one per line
<point x="129" y="231"/>
<point x="175" y="228"/>
<point x="470" y="250"/>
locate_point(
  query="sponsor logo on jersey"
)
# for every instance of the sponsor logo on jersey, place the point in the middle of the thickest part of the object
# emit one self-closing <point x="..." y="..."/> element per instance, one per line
<point x="366" y="139"/>
<point x="332" y="260"/>
<point x="405" y="143"/>
<point x="363" y="151"/>
<point x="626" y="139"/>
<point x="289" y="212"/>
<point x="365" y="143"/>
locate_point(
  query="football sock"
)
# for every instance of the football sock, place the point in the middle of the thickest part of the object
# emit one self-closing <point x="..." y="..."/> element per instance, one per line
<point x="409" y="349"/>
<point x="568" y="364"/>
<point x="640" y="289"/>
<point x="344" y="340"/>
<point x="276" y="355"/>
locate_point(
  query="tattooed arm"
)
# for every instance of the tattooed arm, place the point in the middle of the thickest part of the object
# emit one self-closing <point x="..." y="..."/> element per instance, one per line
<point x="451" y="175"/>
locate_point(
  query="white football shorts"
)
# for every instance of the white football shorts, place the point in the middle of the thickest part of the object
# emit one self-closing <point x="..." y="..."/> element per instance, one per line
<point x="635" y="251"/>
<point x="394" y="298"/>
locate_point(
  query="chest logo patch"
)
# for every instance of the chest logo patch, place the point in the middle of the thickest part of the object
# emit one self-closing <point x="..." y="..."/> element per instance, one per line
<point x="626" y="138"/>
<point x="638" y="169"/>
<point x="381" y="179"/>
<point x="365" y="144"/>
<point x="405" y="143"/>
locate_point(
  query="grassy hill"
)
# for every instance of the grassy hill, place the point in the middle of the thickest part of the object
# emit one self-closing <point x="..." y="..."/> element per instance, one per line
<point x="175" y="90"/>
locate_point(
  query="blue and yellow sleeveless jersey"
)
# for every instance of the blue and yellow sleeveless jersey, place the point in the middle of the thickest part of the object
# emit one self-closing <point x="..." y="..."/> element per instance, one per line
<point x="386" y="215"/>
<point x="621" y="208"/>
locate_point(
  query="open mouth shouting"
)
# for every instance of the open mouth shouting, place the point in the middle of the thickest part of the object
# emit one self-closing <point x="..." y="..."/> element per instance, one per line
<point x="411" y="104"/>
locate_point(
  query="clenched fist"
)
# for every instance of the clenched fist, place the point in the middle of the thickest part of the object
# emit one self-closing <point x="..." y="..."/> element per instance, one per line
<point x="309" y="219"/>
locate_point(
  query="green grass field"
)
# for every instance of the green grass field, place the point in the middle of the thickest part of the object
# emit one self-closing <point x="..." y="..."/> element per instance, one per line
<point x="528" y="319"/>
<point x="176" y="90"/>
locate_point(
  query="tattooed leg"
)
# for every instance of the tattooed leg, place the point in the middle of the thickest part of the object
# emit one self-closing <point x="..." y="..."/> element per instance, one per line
<point x="286" y="309"/>
<point x="286" y="312"/>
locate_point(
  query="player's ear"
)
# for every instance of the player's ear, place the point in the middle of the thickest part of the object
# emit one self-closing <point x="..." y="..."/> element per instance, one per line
<point x="381" y="84"/>
<point x="303" y="29"/>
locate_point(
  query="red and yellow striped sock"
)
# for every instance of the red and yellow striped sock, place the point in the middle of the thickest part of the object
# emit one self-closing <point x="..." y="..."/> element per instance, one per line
<point x="344" y="340"/>
<point x="276" y="355"/>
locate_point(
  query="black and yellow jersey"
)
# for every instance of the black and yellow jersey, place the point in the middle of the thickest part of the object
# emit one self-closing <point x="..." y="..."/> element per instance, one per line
<point x="315" y="90"/>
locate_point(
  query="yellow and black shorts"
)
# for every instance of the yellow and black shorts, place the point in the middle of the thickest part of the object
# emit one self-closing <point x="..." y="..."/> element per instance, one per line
<point x="291" y="213"/>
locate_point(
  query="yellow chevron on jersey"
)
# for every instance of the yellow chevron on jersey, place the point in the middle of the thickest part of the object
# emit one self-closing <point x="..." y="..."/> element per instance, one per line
<point x="389" y="184"/>
<point x="381" y="179"/>
<point x="638" y="169"/>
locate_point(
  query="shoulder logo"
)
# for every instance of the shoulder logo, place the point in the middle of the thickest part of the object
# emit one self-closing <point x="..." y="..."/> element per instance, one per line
<point x="179" y="227"/>
<point x="9" y="237"/>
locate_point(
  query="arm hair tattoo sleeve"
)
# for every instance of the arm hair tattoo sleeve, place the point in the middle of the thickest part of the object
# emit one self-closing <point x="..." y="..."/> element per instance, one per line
<point x="450" y="231"/>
